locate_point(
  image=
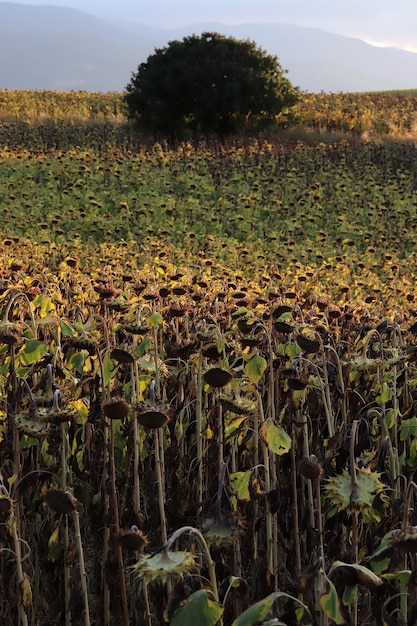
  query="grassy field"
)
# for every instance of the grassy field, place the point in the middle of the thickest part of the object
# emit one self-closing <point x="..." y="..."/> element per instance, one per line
<point x="207" y="367"/>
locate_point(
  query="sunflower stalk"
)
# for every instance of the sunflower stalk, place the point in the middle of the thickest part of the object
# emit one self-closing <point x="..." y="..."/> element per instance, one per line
<point x="271" y="549"/>
<point x="136" y="452"/>
<point x="159" y="460"/>
<point x="199" y="431"/>
<point x="355" y="485"/>
<point x="119" y="554"/>
<point x="12" y="523"/>
<point x="83" y="573"/>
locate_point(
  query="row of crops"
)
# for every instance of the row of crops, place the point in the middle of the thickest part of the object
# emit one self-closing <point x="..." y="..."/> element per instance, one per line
<point x="207" y="380"/>
<point x="379" y="113"/>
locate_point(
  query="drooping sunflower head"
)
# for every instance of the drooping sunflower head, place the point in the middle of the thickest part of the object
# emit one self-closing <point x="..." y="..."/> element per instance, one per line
<point x="163" y="566"/>
<point x="343" y="495"/>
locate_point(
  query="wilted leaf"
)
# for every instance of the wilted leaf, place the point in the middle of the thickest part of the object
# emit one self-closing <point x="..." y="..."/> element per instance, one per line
<point x="45" y="304"/>
<point x="275" y="437"/>
<point x="240" y="484"/>
<point x="26" y="592"/>
<point x="47" y="321"/>
<point x="352" y="574"/>
<point x="53" y="546"/>
<point x="232" y="426"/>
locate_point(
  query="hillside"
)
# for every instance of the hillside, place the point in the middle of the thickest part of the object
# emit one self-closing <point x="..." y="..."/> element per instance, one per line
<point x="60" y="48"/>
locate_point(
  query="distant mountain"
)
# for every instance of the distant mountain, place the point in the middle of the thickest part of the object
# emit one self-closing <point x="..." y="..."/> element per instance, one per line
<point x="50" y="47"/>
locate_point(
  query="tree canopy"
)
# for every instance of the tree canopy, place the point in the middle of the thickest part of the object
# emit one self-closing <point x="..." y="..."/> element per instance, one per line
<point x="209" y="84"/>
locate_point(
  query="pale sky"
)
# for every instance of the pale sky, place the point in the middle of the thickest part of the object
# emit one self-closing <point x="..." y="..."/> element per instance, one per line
<point x="380" y="22"/>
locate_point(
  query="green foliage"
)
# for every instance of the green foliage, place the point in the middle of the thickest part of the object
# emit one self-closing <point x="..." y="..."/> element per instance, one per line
<point x="255" y="368"/>
<point x="330" y="603"/>
<point x="208" y="84"/>
<point x="198" y="609"/>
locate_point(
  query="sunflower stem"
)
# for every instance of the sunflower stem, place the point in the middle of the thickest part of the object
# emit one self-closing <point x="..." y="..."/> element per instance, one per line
<point x="210" y="563"/>
<point x="83" y="574"/>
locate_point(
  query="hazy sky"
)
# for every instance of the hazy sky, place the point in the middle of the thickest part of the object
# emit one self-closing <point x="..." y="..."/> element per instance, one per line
<point x="381" y="22"/>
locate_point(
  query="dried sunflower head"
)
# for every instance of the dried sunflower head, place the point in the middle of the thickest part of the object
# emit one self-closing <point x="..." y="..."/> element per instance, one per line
<point x="343" y="495"/>
<point x="60" y="501"/>
<point x="152" y="415"/>
<point x="164" y="566"/>
<point x="222" y="530"/>
<point x="237" y="405"/>
<point x="30" y="425"/>
<point x="116" y="409"/>
<point x="58" y="416"/>
<point x="310" y="468"/>
<point x="217" y="377"/>
<point x="122" y="356"/>
<point x="132" y="540"/>
<point x="8" y="333"/>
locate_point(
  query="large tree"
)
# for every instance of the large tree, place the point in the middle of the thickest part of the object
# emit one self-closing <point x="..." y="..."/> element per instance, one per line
<point x="208" y="83"/>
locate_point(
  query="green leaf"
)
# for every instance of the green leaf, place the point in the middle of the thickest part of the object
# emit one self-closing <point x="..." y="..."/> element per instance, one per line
<point x="242" y="310"/>
<point x="349" y="595"/>
<point x="403" y="576"/>
<point x="109" y="369"/>
<point x="77" y="361"/>
<point x="198" y="609"/>
<point x="240" y="484"/>
<point x="155" y="320"/>
<point x="255" y="368"/>
<point x="143" y="346"/>
<point x="257" y="613"/>
<point x="408" y="428"/>
<point x="330" y="604"/>
<point x="289" y="349"/>
<point x="32" y="351"/>
<point x="275" y="437"/>
<point x="386" y="394"/>
<point x="380" y="565"/>
<point x="66" y="329"/>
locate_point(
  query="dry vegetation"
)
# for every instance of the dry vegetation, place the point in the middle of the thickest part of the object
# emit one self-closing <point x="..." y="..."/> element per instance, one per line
<point x="207" y="370"/>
